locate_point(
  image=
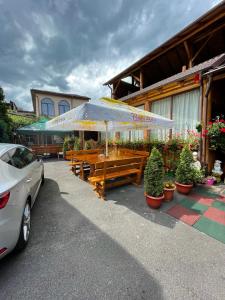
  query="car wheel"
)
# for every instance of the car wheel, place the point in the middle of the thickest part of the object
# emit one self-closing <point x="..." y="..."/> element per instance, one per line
<point x="42" y="179"/>
<point x="24" y="229"/>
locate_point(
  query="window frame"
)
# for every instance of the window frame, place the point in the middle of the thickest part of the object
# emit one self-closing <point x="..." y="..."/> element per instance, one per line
<point x="63" y="104"/>
<point x="49" y="102"/>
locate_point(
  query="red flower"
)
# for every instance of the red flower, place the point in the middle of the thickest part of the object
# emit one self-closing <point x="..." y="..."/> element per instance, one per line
<point x="210" y="123"/>
<point x="222" y="130"/>
<point x="222" y="121"/>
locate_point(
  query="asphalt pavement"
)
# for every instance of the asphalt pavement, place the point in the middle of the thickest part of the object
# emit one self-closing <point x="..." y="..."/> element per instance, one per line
<point x="84" y="248"/>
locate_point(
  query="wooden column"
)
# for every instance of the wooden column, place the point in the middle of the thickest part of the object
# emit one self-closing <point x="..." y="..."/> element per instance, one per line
<point x="147" y="132"/>
<point x="141" y="80"/>
<point x="188" y="49"/>
<point x="117" y="136"/>
<point x="114" y="89"/>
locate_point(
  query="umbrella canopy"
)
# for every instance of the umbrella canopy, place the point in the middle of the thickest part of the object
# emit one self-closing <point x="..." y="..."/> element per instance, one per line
<point x="106" y="115"/>
<point x="93" y="115"/>
<point x="39" y="127"/>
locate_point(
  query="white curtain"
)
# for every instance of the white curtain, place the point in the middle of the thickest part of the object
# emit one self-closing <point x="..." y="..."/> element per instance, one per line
<point x="162" y="108"/>
<point x="186" y="111"/>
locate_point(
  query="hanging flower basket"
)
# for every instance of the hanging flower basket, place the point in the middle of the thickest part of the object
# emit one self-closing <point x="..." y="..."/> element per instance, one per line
<point x="216" y="133"/>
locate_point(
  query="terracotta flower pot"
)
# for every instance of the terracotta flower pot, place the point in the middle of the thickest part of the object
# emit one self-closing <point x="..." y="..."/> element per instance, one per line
<point x="154" y="202"/>
<point x="168" y="194"/>
<point x="183" y="188"/>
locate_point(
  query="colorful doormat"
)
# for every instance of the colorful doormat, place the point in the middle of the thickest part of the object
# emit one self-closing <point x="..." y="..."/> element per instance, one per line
<point x="204" y="209"/>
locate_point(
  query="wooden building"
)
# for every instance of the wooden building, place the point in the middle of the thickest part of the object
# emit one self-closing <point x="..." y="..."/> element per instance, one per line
<point x="183" y="79"/>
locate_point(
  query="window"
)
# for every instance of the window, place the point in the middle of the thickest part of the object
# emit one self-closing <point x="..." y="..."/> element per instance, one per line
<point x="6" y="158"/>
<point x="21" y="157"/>
<point x="47" y="107"/>
<point x="63" y="106"/>
<point x="163" y="108"/>
<point x="186" y="111"/>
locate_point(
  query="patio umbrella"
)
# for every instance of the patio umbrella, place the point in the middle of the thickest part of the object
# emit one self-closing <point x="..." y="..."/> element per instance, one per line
<point x="38" y="128"/>
<point x="107" y="115"/>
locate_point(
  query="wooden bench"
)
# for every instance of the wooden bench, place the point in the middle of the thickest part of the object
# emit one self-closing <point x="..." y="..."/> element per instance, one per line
<point x="75" y="164"/>
<point x="47" y="149"/>
<point x="115" y="173"/>
<point x="144" y="154"/>
<point x="71" y="154"/>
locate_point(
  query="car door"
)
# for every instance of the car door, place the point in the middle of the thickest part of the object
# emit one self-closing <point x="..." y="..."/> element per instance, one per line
<point x="35" y="169"/>
<point x="21" y="160"/>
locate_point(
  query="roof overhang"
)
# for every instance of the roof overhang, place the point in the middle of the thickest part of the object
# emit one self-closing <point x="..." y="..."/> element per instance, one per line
<point x="199" y="24"/>
<point x="209" y="65"/>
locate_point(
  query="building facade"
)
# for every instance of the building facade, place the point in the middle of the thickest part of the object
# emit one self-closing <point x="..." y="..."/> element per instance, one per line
<point x="52" y="104"/>
<point x="183" y="79"/>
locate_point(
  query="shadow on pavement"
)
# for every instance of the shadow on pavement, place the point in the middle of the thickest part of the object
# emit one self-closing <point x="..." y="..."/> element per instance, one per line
<point x="133" y="198"/>
<point x="68" y="257"/>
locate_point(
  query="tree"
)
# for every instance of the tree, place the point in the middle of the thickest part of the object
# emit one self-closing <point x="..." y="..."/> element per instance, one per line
<point x="5" y="123"/>
<point x="154" y="173"/>
<point x="185" y="173"/>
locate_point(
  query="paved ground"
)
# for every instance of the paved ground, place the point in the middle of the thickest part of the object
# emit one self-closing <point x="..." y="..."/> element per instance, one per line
<point x="84" y="248"/>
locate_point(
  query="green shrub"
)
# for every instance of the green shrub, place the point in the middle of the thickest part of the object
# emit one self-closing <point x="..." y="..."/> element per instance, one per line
<point x="186" y="173"/>
<point x="153" y="175"/>
<point x="87" y="145"/>
<point x="68" y="144"/>
<point x="77" y="144"/>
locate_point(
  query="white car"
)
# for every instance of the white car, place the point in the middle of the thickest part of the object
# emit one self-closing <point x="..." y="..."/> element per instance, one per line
<point x="21" y="175"/>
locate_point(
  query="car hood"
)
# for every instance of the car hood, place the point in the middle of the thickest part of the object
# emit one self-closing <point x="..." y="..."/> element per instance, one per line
<point x="9" y="176"/>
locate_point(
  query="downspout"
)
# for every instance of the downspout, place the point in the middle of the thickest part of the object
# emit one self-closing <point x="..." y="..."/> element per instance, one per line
<point x="205" y="108"/>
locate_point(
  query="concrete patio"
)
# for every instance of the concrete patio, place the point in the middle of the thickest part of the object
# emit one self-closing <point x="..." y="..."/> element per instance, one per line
<point x="85" y="248"/>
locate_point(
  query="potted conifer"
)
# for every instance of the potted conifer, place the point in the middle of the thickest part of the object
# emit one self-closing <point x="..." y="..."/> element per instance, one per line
<point x="153" y="179"/>
<point x="185" y="173"/>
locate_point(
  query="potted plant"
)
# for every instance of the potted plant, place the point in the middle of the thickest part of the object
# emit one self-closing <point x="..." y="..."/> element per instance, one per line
<point x="169" y="188"/>
<point x="153" y="179"/>
<point x="215" y="131"/>
<point x="185" y="173"/>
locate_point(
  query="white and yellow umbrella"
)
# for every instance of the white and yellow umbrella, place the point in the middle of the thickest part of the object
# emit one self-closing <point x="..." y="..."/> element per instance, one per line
<point x="107" y="115"/>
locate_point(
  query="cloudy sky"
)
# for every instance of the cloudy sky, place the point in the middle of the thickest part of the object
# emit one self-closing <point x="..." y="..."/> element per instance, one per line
<point x="77" y="45"/>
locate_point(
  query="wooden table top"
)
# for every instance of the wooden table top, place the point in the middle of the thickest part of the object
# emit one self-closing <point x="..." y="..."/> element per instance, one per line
<point x="96" y="158"/>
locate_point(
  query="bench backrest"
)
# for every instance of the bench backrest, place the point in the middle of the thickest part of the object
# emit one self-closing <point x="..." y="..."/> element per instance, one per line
<point x="107" y="167"/>
<point x="52" y="149"/>
<point x="134" y="152"/>
<point x="72" y="153"/>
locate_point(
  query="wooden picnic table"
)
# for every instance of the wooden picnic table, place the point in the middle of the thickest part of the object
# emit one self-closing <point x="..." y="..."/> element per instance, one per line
<point x="92" y="159"/>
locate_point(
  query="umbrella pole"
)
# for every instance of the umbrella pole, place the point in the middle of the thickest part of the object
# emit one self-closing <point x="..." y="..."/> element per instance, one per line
<point x="106" y="139"/>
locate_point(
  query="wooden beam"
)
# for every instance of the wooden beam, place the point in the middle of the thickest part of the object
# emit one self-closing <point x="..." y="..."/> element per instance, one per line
<point x="135" y="77"/>
<point x="178" y="42"/>
<point x="200" y="49"/>
<point x="209" y="33"/>
<point x="115" y="87"/>
<point x="188" y="50"/>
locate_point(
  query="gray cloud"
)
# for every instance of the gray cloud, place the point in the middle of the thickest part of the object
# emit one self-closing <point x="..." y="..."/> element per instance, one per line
<point x="76" y="45"/>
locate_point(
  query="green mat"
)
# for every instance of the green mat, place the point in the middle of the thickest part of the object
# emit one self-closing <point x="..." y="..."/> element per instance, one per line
<point x="211" y="228"/>
<point x="206" y="192"/>
<point x="197" y="207"/>
<point x="219" y="205"/>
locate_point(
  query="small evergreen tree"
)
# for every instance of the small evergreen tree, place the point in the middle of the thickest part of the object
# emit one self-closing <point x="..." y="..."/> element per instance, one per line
<point x="153" y="175"/>
<point x="77" y="144"/>
<point x="185" y="173"/>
